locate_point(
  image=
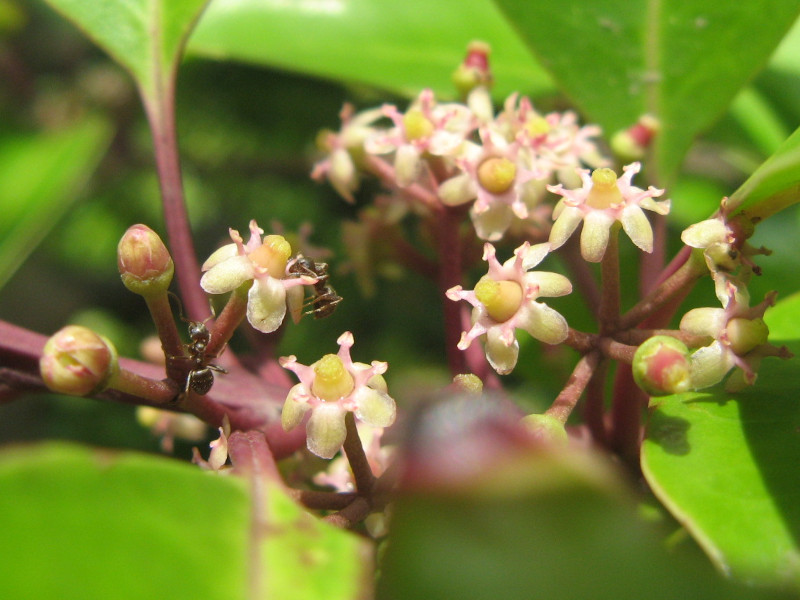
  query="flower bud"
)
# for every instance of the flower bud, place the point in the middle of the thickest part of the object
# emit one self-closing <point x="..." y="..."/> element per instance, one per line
<point x="661" y="366"/>
<point x="546" y="428"/>
<point x="474" y="71"/>
<point x="77" y="361"/>
<point x="745" y="335"/>
<point x="630" y="144"/>
<point x="468" y="383"/>
<point x="144" y="262"/>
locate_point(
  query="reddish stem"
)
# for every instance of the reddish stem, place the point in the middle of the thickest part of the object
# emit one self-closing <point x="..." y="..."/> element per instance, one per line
<point x="450" y="276"/>
<point x="594" y="407"/>
<point x="609" y="298"/>
<point x="161" y="116"/>
<point x="569" y="396"/>
<point x="626" y="417"/>
<point x="672" y="289"/>
<point x="354" y="450"/>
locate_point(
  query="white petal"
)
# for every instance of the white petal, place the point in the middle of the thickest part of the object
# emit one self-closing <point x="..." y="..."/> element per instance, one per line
<point x="325" y="430"/>
<point x="406" y="165"/>
<point x="295" y="296"/>
<point x="709" y="365"/>
<point x="535" y="255"/>
<point x="501" y="357"/>
<point x="704" y="321"/>
<point x="594" y="237"/>
<point x="227" y="251"/>
<point x="551" y="285"/>
<point x="660" y="207"/>
<point x="542" y="322"/>
<point x="480" y="103"/>
<point x="375" y="408"/>
<point x="565" y="225"/>
<point x="457" y="190"/>
<point x="492" y="223"/>
<point x="266" y="304"/>
<point x="637" y="226"/>
<point x="294" y="410"/>
<point x="705" y="233"/>
<point x="227" y="275"/>
<point x="342" y="174"/>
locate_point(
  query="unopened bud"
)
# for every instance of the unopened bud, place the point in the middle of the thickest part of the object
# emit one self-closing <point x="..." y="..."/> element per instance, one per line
<point x="546" y="428"/>
<point x="745" y="335"/>
<point x="661" y="366"/>
<point x="77" y="361"/>
<point x="144" y="262"/>
<point x="468" y="383"/>
<point x="630" y="144"/>
<point x="474" y="71"/>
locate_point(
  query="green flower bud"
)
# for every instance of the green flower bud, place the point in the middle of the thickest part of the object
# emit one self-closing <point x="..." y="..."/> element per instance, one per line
<point x="546" y="428"/>
<point x="468" y="383"/>
<point x="661" y="366"/>
<point x="144" y="262"/>
<point x="474" y="71"/>
<point x="77" y="361"/>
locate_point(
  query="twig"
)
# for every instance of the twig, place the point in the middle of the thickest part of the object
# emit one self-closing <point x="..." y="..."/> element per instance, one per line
<point x="569" y="396"/>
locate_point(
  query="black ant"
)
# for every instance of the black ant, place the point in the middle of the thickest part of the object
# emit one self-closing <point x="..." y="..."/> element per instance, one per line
<point x="324" y="300"/>
<point x="200" y="377"/>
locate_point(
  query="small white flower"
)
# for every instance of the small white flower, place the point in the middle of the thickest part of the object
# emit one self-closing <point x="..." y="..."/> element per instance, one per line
<point x="262" y="262"/>
<point x="331" y="387"/>
<point x="338" y="167"/>
<point x="738" y="337"/>
<point x="505" y="299"/>
<point x="426" y="127"/>
<point x="602" y="201"/>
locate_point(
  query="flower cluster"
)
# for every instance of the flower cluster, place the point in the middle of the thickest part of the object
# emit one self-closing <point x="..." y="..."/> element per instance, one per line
<point x="460" y="153"/>
<point x="505" y="300"/>
<point x="726" y="250"/>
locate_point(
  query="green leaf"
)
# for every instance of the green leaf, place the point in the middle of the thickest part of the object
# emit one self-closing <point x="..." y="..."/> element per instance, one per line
<point x="783" y="320"/>
<point x="774" y="185"/>
<point x="81" y="523"/>
<point x="547" y="526"/>
<point x="401" y="47"/>
<point x="40" y="177"/>
<point x="144" y="36"/>
<point x="725" y="466"/>
<point x="680" y="61"/>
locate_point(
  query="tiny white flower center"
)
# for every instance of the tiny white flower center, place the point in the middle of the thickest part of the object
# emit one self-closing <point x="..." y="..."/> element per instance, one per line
<point x="496" y="175"/>
<point x="502" y="299"/>
<point x="417" y="125"/>
<point x="272" y="255"/>
<point x="332" y="381"/>
<point x="745" y="335"/>
<point x="605" y="191"/>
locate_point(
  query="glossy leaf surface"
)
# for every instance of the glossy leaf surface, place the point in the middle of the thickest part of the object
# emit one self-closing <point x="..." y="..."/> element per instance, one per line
<point x="40" y="178"/>
<point x="682" y="62"/>
<point x="725" y="465"/>
<point x="144" y="36"/>
<point x="80" y="523"/>
<point x="401" y="47"/>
